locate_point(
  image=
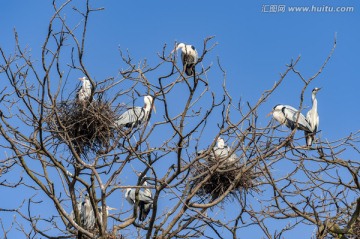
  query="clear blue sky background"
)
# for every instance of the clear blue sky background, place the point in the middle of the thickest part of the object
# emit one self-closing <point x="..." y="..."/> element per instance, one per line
<point x="253" y="47"/>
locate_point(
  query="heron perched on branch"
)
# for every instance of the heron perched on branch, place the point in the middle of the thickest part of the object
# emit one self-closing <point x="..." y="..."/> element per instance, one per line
<point x="145" y="200"/>
<point x="291" y="117"/>
<point x="312" y="117"/>
<point x="288" y="115"/>
<point x="136" y="116"/>
<point x="189" y="57"/>
<point x="87" y="216"/>
<point x="84" y="92"/>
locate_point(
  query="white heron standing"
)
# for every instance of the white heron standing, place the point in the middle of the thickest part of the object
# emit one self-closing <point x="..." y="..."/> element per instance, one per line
<point x="136" y="116"/>
<point x="189" y="57"/>
<point x="84" y="92"/>
<point x="145" y="201"/>
<point x="312" y="117"/>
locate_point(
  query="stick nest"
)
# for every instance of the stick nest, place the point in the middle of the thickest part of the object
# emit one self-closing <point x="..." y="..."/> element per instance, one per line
<point x="356" y="228"/>
<point x="87" y="126"/>
<point x="109" y="235"/>
<point x="222" y="175"/>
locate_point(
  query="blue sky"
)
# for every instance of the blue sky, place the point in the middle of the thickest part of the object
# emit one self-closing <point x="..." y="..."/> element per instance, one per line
<point x="253" y="47"/>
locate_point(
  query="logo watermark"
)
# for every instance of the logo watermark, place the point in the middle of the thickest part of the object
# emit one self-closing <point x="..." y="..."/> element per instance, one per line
<point x="280" y="8"/>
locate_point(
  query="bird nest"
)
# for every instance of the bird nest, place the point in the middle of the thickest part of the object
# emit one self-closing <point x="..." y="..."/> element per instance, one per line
<point x="109" y="235"/>
<point x="220" y="177"/>
<point x="356" y="229"/>
<point x="88" y="127"/>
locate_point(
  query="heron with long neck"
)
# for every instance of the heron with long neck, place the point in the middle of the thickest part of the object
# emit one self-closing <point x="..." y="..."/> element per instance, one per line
<point x="136" y="116"/>
<point x="87" y="215"/>
<point x="145" y="200"/>
<point x="292" y="118"/>
<point x="189" y="57"/>
<point x="312" y="117"/>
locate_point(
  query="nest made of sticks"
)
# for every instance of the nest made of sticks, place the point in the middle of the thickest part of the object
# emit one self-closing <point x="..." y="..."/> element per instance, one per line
<point x="107" y="236"/>
<point x="222" y="175"/>
<point x="87" y="126"/>
<point x="356" y="229"/>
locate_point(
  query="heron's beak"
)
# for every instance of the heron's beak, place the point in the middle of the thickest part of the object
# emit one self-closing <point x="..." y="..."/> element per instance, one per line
<point x="154" y="108"/>
<point x="112" y="208"/>
<point x="269" y="113"/>
<point x="81" y="78"/>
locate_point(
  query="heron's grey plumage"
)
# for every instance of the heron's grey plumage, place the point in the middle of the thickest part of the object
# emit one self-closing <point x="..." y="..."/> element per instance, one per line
<point x="145" y="207"/>
<point x="312" y="117"/>
<point x="289" y="116"/>
<point x="145" y="200"/>
<point x="136" y="116"/>
<point x="131" y="118"/>
<point x="87" y="216"/>
<point x="130" y="196"/>
<point x="100" y="211"/>
<point x="189" y="57"/>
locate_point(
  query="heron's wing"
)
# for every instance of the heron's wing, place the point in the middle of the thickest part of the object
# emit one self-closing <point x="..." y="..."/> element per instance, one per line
<point x="289" y="107"/>
<point x="291" y="115"/>
<point x="147" y="192"/>
<point x="144" y="197"/>
<point x="308" y="115"/>
<point x="131" y="117"/>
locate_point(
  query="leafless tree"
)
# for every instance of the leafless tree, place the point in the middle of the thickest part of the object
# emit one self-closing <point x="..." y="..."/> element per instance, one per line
<point x="58" y="150"/>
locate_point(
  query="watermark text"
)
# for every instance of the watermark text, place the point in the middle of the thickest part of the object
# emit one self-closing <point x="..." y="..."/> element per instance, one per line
<point x="279" y="8"/>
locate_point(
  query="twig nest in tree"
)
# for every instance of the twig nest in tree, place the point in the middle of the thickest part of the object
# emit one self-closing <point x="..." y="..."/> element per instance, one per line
<point x="109" y="235"/>
<point x="215" y="178"/>
<point x="356" y="229"/>
<point x="85" y="126"/>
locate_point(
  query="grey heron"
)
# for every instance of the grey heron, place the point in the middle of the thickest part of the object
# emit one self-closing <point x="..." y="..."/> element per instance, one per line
<point x="289" y="116"/>
<point x="107" y="208"/>
<point x="84" y="92"/>
<point x="136" y="116"/>
<point x="145" y="200"/>
<point x="189" y="57"/>
<point x="312" y="117"/>
<point x="87" y="216"/>
<point x="145" y="207"/>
